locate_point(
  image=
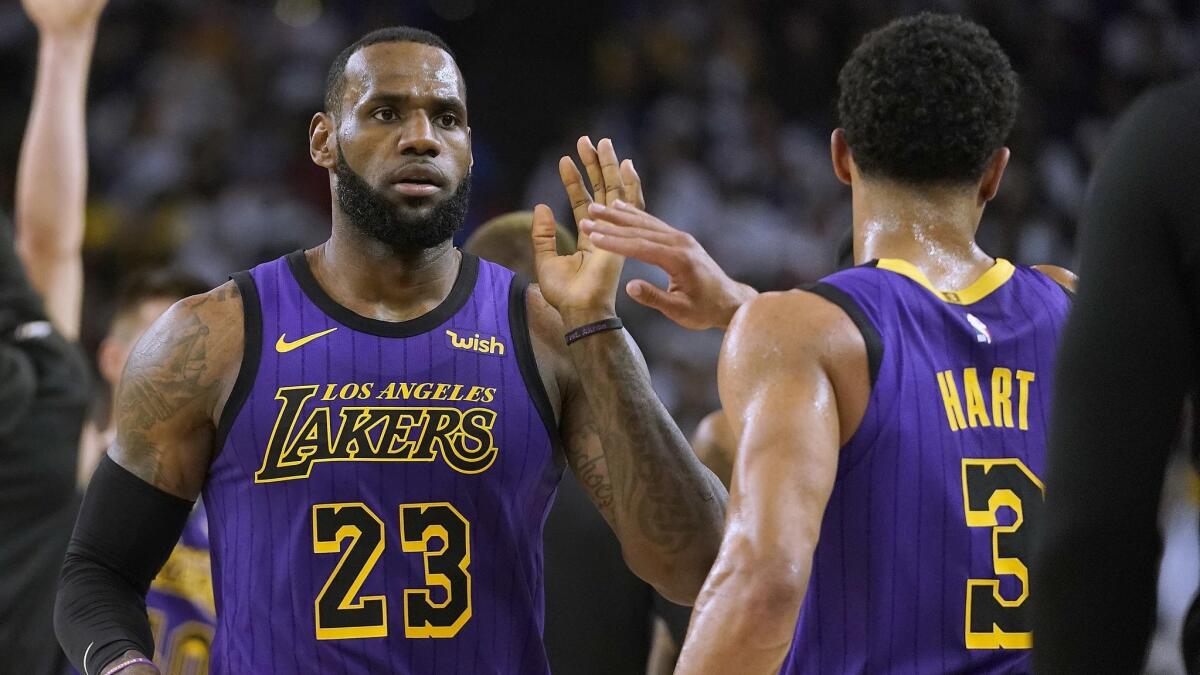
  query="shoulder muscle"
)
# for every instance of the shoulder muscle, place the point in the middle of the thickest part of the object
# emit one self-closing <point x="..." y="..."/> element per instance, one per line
<point x="175" y="382"/>
<point x="779" y="337"/>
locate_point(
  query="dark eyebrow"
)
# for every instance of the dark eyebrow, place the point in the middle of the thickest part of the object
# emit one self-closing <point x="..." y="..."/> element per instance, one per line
<point x="451" y="104"/>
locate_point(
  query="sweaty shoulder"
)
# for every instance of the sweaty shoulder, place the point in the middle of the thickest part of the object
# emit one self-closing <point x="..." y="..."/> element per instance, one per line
<point x="1061" y="275"/>
<point x="777" y="332"/>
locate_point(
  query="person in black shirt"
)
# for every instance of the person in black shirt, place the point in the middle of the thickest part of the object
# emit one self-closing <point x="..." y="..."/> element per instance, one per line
<point x="44" y="389"/>
<point x="1127" y="361"/>
<point x="43" y="400"/>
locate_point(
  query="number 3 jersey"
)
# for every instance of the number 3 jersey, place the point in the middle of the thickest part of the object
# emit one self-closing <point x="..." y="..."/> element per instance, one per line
<point x="377" y="502"/>
<point x="922" y="561"/>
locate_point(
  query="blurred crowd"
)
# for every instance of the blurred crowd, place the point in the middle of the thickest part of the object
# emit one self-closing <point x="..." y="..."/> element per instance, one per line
<point x="198" y="114"/>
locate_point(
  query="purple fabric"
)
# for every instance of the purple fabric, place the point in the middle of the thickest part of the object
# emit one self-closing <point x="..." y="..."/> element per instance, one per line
<point x="888" y="590"/>
<point x="267" y="573"/>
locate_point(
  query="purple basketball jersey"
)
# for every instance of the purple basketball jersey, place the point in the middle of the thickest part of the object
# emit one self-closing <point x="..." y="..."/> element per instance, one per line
<point x="378" y="500"/>
<point x="922" y="561"/>
<point x="180" y="603"/>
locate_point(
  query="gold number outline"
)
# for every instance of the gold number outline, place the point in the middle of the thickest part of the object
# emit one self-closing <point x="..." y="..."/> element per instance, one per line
<point x="421" y="545"/>
<point x="335" y="546"/>
<point x="998" y="639"/>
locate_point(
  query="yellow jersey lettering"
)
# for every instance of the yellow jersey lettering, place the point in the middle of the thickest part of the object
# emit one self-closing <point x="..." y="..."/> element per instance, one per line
<point x="463" y="439"/>
<point x="1024" y="377"/>
<point x="976" y="410"/>
<point x="971" y="411"/>
<point x="1001" y="397"/>
<point x="954" y="413"/>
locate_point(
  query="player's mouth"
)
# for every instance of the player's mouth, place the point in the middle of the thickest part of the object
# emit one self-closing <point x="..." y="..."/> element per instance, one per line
<point x="419" y="180"/>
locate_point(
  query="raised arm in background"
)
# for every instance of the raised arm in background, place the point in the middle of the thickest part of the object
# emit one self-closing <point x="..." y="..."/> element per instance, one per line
<point x="52" y="173"/>
<point x="665" y="507"/>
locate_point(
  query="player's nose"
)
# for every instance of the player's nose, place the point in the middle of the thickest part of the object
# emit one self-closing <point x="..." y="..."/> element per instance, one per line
<point x="417" y="136"/>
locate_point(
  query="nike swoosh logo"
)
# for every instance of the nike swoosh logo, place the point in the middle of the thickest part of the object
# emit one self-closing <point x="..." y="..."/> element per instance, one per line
<point x="283" y="346"/>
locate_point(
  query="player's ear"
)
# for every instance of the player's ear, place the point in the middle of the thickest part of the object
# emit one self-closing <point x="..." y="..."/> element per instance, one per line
<point x="321" y="140"/>
<point x="989" y="184"/>
<point x="839" y="152"/>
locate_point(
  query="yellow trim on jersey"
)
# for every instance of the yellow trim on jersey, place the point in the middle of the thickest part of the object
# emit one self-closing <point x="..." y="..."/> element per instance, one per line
<point x="982" y="287"/>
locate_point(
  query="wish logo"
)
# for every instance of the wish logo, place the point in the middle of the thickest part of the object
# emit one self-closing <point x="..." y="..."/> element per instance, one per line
<point x="473" y="342"/>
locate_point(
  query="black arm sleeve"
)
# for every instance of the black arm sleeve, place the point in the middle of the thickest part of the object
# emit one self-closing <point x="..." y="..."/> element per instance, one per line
<point x="125" y="532"/>
<point x="1125" y="364"/>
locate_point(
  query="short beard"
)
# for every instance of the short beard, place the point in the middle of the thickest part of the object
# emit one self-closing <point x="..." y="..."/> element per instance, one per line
<point x="375" y="216"/>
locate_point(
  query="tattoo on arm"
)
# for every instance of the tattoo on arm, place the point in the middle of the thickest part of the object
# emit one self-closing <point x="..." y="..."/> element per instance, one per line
<point x="661" y="490"/>
<point x="167" y="391"/>
<point x="591" y="469"/>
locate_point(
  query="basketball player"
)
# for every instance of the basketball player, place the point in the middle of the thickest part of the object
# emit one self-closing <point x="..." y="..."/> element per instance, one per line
<point x="373" y="423"/>
<point x="890" y="419"/>
<point x="1129" y="361"/>
<point x="51" y="193"/>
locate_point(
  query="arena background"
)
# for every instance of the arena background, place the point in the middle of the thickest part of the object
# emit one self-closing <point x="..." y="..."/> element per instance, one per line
<point x="198" y="112"/>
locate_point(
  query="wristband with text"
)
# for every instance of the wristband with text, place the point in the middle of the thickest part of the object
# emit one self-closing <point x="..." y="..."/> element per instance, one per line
<point x="587" y="329"/>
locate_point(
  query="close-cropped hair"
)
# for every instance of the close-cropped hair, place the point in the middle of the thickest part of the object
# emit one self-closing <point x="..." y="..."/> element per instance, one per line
<point x="927" y="99"/>
<point x="335" y="81"/>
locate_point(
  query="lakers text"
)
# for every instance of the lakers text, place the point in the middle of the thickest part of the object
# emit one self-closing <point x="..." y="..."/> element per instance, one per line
<point x="306" y="432"/>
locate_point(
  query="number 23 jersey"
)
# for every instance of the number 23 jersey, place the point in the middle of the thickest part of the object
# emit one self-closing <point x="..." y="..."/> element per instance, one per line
<point x="378" y="498"/>
<point x="921" y="565"/>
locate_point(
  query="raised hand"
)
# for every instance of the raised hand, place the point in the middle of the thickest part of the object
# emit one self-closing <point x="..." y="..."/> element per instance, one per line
<point x="700" y="295"/>
<point x="583" y="286"/>
<point x="64" y="15"/>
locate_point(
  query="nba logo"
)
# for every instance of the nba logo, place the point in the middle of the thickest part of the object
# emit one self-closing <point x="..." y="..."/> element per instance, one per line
<point x="981" y="330"/>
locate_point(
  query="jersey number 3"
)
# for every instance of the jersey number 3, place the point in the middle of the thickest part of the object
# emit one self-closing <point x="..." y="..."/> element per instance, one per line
<point x="994" y="621"/>
<point x="341" y="613"/>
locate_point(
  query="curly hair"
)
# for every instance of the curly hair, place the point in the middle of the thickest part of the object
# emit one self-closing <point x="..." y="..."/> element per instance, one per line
<point x="335" y="80"/>
<point x="927" y="99"/>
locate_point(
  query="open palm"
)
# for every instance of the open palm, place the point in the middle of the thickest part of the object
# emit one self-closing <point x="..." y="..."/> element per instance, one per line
<point x="587" y="280"/>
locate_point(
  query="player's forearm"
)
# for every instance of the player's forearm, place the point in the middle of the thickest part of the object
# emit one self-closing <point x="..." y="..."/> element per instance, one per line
<point x="52" y="172"/>
<point x="99" y="616"/>
<point x="744" y="620"/>
<point x="669" y="509"/>
<point x="125" y="532"/>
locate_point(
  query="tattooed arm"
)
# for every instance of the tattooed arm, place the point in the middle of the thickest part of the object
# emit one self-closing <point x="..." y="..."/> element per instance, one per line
<point x="174" y="385"/>
<point x="170" y="397"/>
<point x="664" y="506"/>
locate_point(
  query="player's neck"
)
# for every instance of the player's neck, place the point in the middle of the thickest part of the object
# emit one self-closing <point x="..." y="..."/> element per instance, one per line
<point x="935" y="232"/>
<point x="369" y="278"/>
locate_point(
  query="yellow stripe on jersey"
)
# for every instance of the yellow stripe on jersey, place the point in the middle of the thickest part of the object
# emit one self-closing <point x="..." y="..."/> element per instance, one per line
<point x="988" y="282"/>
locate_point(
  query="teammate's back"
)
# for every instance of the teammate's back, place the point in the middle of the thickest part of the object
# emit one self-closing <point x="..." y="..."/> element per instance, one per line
<point x="924" y="542"/>
<point x="889" y="434"/>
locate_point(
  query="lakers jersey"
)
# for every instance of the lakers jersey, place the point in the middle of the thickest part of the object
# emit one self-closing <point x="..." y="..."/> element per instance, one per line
<point x="377" y="502"/>
<point x="180" y="602"/>
<point x="922" y="562"/>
